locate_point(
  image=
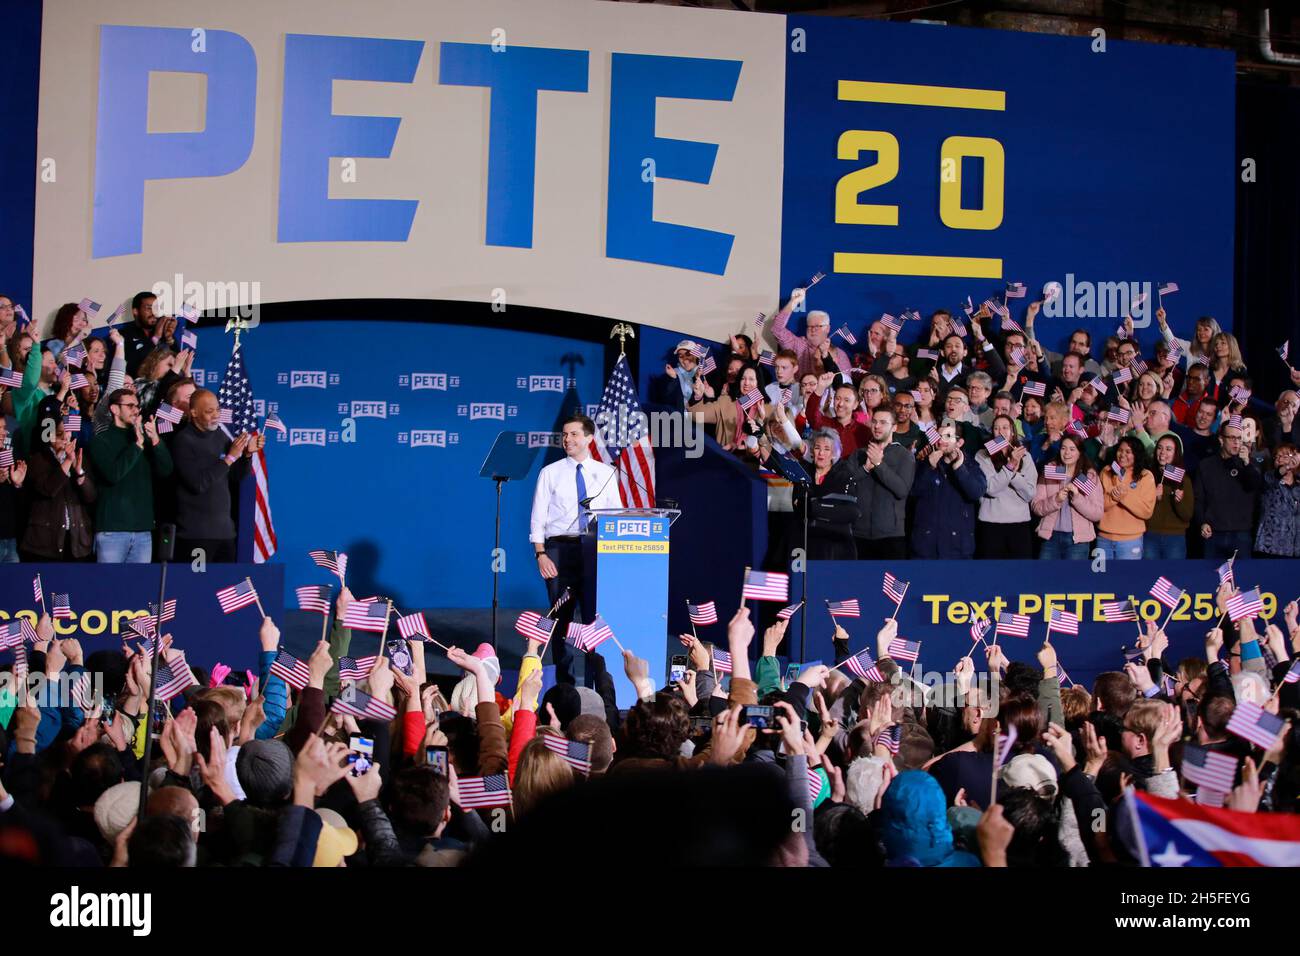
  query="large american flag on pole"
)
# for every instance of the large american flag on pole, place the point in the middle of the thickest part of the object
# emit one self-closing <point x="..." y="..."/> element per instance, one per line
<point x="236" y="394"/>
<point x="622" y="439"/>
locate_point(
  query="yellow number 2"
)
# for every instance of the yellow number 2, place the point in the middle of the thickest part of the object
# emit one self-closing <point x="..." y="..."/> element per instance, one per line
<point x="852" y="144"/>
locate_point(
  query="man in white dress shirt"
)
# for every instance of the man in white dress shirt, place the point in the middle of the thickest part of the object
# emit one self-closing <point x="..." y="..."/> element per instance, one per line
<point x="567" y="490"/>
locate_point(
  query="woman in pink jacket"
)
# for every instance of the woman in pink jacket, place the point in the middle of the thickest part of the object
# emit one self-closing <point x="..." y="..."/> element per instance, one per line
<point x="1069" y="502"/>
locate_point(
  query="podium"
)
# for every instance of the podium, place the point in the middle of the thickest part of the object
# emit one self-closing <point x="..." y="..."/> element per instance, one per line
<point x="632" y="551"/>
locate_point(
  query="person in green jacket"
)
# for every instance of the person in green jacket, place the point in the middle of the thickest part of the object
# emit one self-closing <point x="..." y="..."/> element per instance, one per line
<point x="126" y="457"/>
<point x="41" y="377"/>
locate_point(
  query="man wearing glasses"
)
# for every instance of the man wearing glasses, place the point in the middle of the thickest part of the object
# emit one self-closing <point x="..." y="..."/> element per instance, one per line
<point x="126" y="457"/>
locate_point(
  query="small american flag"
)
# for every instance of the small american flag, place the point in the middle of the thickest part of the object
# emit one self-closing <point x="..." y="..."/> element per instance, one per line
<point x="414" y="625"/>
<point x="90" y="307"/>
<point x="958" y="327"/>
<point x="314" y="597"/>
<point x="894" y="588"/>
<point x="1121" y="332"/>
<point x="706" y="613"/>
<point x="979" y="627"/>
<point x="23" y="318"/>
<point x="848" y="608"/>
<point x="1224" y="571"/>
<point x="1119" y="416"/>
<point x="1062" y="676"/>
<point x="20" y="662"/>
<point x="901" y="649"/>
<point x="174" y="676"/>
<point x="844" y="333"/>
<point x="6" y="457"/>
<point x="1076" y="428"/>
<point x="369" y="616"/>
<point x="1247" y="604"/>
<point x="83" y="697"/>
<point x="996" y="444"/>
<point x="1085" y="483"/>
<point x="1239" y="394"/>
<point x="1018" y="357"/>
<point x="168" y="413"/>
<point x="1175" y="349"/>
<point x="13" y="633"/>
<point x="1210" y="798"/>
<point x="1173" y="474"/>
<point x="1138" y="366"/>
<point x="1293" y="674"/>
<point x="477" y="792"/>
<point x="1209" y="768"/>
<point x="226" y="416"/>
<point x="816" y="277"/>
<point x="534" y="627"/>
<point x="1251" y="722"/>
<point x="168" y="611"/>
<point x="62" y="606"/>
<point x="788" y="612"/>
<point x="764" y="358"/>
<point x="576" y="753"/>
<point x="1114" y="612"/>
<point x="1117" y="468"/>
<point x="1121" y="376"/>
<point x="1016" y="290"/>
<point x="1035" y="388"/>
<point x="911" y="315"/>
<point x="75" y="355"/>
<point x="78" y="381"/>
<point x="891" y="323"/>
<point x="931" y="433"/>
<point x="814" y="784"/>
<point x="356" y="668"/>
<point x="721" y="661"/>
<point x="272" y="423"/>
<point x="1063" y="622"/>
<point x="143" y="626"/>
<point x="38" y="593"/>
<point x="1284" y="350"/>
<point x="890" y="738"/>
<point x="699" y="350"/>
<point x="1168" y="288"/>
<point x="165" y="427"/>
<point x="1055" y="473"/>
<point x="359" y="704"/>
<point x="72" y="422"/>
<point x="11" y="378"/>
<point x="336" y="562"/>
<point x="766" y="586"/>
<point x="751" y="398"/>
<point x="237" y="596"/>
<point x="292" y="671"/>
<point x="863" y="665"/>
<point x="1166" y="592"/>
<point x="707" y="367"/>
<point x="1234" y="421"/>
<point x="1017" y="625"/>
<point x="930" y="355"/>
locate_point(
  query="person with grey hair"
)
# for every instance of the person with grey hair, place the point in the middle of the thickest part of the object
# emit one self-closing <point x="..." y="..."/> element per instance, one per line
<point x="813" y="348"/>
<point x="831" y="502"/>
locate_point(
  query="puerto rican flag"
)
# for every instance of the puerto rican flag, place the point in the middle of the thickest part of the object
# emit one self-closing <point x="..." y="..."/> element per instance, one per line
<point x="1177" y="833"/>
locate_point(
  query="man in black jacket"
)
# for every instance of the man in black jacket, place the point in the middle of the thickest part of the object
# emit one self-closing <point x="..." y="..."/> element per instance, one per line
<point x="146" y="333"/>
<point x="1226" y="487"/>
<point x="206" y="458"/>
<point x="883" y="471"/>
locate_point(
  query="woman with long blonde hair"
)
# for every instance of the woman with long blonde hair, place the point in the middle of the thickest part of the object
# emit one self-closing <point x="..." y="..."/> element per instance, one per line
<point x="540" y="772"/>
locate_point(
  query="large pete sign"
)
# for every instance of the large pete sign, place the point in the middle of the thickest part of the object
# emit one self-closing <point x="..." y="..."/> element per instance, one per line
<point x="676" y="167"/>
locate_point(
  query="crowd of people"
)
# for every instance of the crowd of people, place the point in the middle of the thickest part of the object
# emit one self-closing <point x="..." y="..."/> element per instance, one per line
<point x="107" y="437"/>
<point x="849" y="766"/>
<point x="967" y="443"/>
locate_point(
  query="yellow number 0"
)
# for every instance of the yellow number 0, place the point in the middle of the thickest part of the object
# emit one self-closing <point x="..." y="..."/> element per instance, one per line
<point x="953" y="151"/>
<point x="852" y="144"/>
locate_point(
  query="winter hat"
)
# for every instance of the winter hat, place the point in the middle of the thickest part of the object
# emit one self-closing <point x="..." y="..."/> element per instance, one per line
<point x="337" y="840"/>
<point x="265" y="771"/>
<point x="565" y="701"/>
<point x="116" y="807"/>
<point x="914" y="820"/>
<point x="592" y="703"/>
<point x="491" y="663"/>
<point x="464" y="697"/>
<point x="1031" y="771"/>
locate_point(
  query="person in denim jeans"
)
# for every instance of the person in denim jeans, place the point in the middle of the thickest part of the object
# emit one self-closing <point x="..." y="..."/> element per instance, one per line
<point x="1166" y="537"/>
<point x="126" y="458"/>
<point x="1130" y="498"/>
<point x="1066" y="510"/>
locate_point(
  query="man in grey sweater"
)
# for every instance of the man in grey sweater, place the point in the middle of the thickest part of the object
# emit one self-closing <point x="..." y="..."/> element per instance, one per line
<point x="883" y="471"/>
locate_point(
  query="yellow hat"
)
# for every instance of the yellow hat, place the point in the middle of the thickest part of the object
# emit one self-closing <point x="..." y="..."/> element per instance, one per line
<point x="337" y="841"/>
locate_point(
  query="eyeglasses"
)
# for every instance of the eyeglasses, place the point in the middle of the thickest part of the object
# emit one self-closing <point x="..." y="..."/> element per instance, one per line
<point x="128" y="404"/>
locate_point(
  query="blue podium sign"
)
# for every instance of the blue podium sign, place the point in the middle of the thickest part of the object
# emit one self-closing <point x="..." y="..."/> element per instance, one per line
<point x="632" y="590"/>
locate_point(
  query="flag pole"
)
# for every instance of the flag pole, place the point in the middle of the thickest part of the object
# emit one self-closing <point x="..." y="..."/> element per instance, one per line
<point x="694" y="633"/>
<point x="43" y="611"/>
<point x="1169" y="617"/>
<point x="743" y="581"/>
<point x="325" y="618"/>
<point x="900" y="600"/>
<point x="383" y="635"/>
<point x="258" y="600"/>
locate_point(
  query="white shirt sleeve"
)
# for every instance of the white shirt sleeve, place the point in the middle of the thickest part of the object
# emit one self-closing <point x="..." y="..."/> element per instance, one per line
<point x="541" y="503"/>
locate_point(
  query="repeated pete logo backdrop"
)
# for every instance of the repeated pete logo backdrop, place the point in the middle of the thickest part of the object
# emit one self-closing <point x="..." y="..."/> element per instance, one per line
<point x="386" y="453"/>
<point x="622" y="160"/>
